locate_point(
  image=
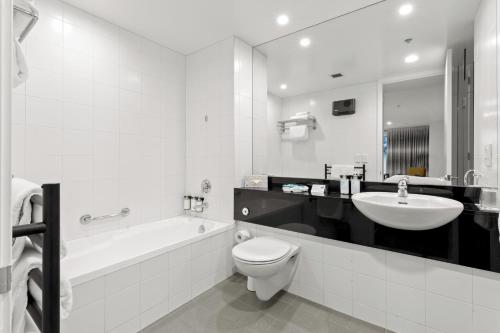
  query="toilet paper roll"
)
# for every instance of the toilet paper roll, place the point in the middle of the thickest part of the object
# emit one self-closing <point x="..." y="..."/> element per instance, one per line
<point x="241" y="236"/>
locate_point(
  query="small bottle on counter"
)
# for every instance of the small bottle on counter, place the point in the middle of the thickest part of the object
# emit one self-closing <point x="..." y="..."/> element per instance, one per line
<point x="344" y="185"/>
<point x="193" y="203"/>
<point x="199" y="204"/>
<point x="187" y="202"/>
<point x="356" y="184"/>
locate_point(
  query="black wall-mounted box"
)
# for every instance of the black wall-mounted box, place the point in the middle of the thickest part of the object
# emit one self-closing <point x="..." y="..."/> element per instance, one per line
<point x="344" y="108"/>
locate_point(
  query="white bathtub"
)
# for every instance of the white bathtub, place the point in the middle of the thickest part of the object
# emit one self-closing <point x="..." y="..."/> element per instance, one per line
<point x="149" y="270"/>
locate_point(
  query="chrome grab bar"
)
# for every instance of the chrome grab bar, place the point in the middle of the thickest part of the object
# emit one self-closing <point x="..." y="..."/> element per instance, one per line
<point x="87" y="218"/>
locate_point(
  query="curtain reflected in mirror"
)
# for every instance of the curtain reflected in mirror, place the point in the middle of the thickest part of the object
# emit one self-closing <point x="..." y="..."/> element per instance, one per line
<point x="407" y="151"/>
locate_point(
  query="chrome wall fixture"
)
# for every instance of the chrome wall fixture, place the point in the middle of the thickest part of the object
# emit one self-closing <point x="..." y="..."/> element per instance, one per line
<point x="87" y="218"/>
<point x="206" y="186"/>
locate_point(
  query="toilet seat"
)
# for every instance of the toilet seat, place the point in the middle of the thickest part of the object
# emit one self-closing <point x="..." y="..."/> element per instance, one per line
<point x="261" y="251"/>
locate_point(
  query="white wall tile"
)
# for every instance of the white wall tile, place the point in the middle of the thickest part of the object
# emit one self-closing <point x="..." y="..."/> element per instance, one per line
<point x="486" y="286"/>
<point x="44" y="112"/>
<point x="448" y="315"/>
<point x="369" y="261"/>
<point x="155" y="266"/>
<point x="398" y="324"/>
<point x="406" y="302"/>
<point x="131" y="326"/>
<point x="77" y="117"/>
<point x="88" y="292"/>
<point x="369" y="314"/>
<point x="449" y="280"/>
<point x="486" y="320"/>
<point x="154" y="291"/>
<point x="369" y="291"/>
<point x="89" y="318"/>
<point x="406" y="270"/>
<point x="338" y="281"/>
<point x="122" y="279"/>
<point x="122" y="306"/>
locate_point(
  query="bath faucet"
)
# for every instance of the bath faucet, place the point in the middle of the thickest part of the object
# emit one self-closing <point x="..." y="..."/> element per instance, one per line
<point x="403" y="187"/>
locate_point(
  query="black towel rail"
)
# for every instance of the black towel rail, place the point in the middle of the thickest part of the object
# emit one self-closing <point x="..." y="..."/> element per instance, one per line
<point x="48" y="318"/>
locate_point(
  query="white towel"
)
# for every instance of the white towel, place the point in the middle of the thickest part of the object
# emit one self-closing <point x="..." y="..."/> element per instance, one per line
<point x="32" y="259"/>
<point x="29" y="260"/>
<point x="301" y="115"/>
<point x="22" y="195"/>
<point x="20" y="67"/>
<point x="296" y="133"/>
<point x="66" y="296"/>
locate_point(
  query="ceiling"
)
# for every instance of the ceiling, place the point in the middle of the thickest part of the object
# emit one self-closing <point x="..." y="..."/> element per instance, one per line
<point x="189" y="25"/>
<point x="369" y="45"/>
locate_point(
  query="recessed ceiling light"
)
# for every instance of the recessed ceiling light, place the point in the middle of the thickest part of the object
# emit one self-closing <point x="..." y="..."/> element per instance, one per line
<point x="405" y="9"/>
<point x="312" y="102"/>
<point x="411" y="58"/>
<point x="283" y="86"/>
<point x="305" y="42"/>
<point x="389" y="123"/>
<point x="282" y="19"/>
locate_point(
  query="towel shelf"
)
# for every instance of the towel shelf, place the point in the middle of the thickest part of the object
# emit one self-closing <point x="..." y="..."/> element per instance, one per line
<point x="32" y="13"/>
<point x="48" y="319"/>
<point x="310" y="121"/>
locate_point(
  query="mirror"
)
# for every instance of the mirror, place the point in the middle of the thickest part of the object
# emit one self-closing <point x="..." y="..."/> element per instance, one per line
<point x="396" y="88"/>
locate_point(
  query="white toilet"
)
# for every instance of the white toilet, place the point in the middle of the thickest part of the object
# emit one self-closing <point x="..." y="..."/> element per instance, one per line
<point x="268" y="262"/>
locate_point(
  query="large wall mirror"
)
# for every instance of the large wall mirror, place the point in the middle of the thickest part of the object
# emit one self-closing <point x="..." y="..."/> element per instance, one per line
<point x="396" y="88"/>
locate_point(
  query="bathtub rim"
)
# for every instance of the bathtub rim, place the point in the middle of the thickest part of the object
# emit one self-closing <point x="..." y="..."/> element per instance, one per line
<point x="103" y="271"/>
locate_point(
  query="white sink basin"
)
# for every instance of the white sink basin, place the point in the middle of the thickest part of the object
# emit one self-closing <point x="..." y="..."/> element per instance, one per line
<point x="420" y="212"/>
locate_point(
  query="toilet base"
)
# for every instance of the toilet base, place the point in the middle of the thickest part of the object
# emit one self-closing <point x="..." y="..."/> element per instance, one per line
<point x="250" y="283"/>
<point x="267" y="287"/>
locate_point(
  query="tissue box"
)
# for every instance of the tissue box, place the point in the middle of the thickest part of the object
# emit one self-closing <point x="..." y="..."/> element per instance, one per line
<point x="256" y="181"/>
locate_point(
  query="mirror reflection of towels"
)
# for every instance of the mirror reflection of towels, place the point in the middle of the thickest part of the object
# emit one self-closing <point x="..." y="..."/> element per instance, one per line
<point x="296" y="133"/>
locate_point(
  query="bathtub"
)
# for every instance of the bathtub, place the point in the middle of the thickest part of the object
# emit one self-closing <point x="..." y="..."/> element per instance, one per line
<point x="126" y="279"/>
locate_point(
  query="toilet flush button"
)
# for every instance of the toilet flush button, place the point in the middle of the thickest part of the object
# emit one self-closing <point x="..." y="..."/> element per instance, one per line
<point x="245" y="211"/>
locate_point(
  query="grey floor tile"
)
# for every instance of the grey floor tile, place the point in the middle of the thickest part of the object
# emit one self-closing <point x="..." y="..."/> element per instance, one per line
<point x="230" y="308"/>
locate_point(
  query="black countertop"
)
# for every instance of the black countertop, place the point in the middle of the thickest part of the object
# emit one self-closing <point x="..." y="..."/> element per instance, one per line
<point x="472" y="239"/>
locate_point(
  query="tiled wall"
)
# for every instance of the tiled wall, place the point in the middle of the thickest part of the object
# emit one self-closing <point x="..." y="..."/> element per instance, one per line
<point x="486" y="121"/>
<point x="358" y="132"/>
<point x="219" y="122"/>
<point x="134" y="297"/>
<point x="243" y="59"/>
<point x="306" y="159"/>
<point x="403" y="293"/>
<point x="103" y="112"/>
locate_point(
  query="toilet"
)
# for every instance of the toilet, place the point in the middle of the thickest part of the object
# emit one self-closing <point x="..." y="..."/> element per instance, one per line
<point x="268" y="262"/>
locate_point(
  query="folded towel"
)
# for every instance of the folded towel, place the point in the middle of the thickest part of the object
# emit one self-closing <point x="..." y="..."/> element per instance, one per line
<point x="22" y="196"/>
<point x="37" y="242"/>
<point x="66" y="296"/>
<point x="32" y="259"/>
<point x="296" y="133"/>
<point x="28" y="261"/>
<point x="301" y="115"/>
<point x="37" y="239"/>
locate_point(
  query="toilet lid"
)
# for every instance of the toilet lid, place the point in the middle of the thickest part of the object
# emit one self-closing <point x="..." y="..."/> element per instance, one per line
<point x="261" y="249"/>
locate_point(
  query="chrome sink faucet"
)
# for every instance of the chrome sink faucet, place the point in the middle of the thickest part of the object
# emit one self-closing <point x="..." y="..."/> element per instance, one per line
<point x="475" y="175"/>
<point x="403" y="187"/>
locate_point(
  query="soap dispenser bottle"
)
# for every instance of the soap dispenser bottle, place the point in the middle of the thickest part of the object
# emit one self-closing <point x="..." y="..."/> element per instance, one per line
<point x="344" y="185"/>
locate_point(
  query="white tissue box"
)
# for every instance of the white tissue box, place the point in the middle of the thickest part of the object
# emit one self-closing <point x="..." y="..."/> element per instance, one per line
<point x="256" y="181"/>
